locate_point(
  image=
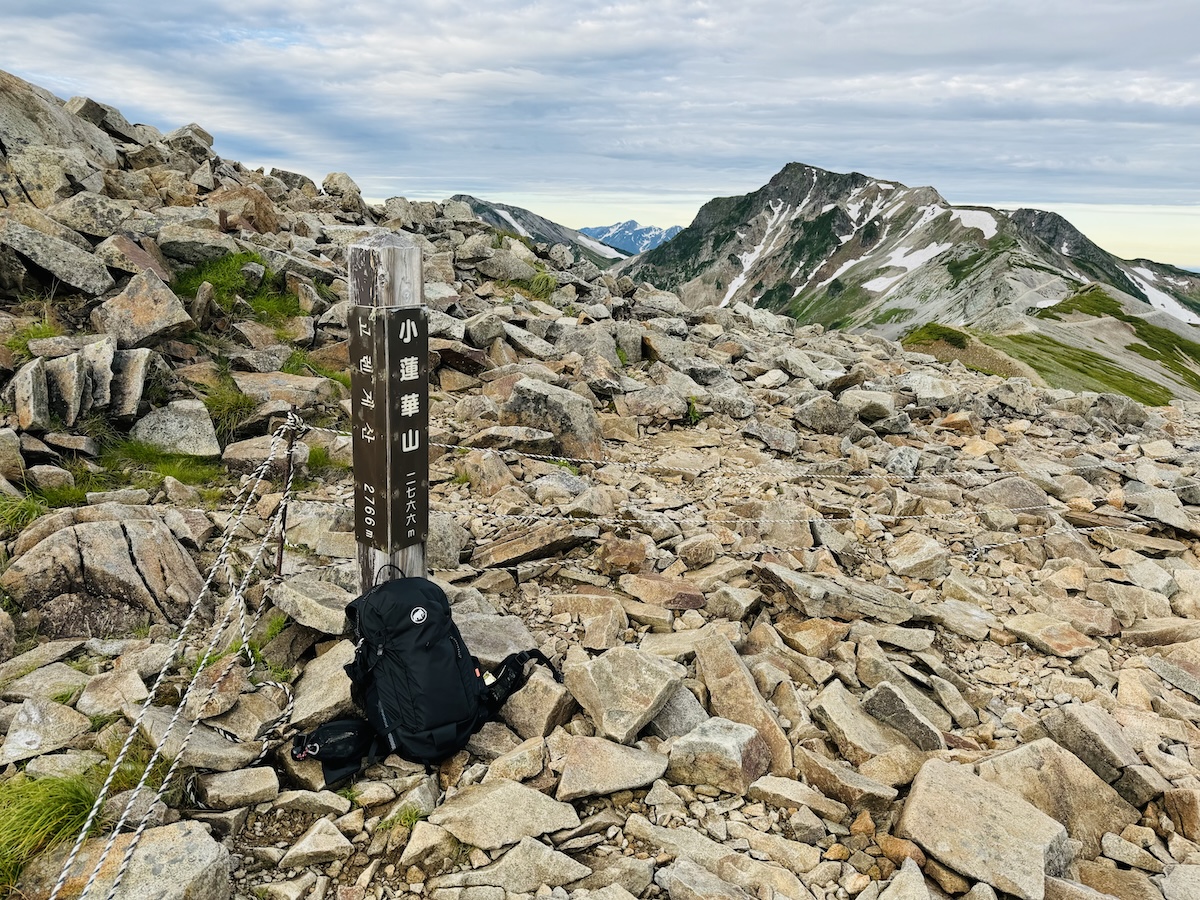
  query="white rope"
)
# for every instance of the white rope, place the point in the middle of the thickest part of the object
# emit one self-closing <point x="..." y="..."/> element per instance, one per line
<point x="268" y="533"/>
<point x="248" y="492"/>
<point x="816" y="471"/>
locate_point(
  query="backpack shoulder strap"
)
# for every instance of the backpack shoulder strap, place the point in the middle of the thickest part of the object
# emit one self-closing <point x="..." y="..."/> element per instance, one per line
<point x="510" y="677"/>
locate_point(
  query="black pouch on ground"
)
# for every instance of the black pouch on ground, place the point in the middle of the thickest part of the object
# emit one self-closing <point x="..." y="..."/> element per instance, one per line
<point x="413" y="676"/>
<point x="341" y="746"/>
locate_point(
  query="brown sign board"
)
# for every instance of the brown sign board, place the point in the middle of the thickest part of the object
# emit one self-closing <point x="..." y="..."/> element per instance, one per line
<point x="389" y="382"/>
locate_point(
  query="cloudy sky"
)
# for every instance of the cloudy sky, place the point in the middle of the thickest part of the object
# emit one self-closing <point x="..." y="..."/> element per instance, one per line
<point x="594" y="112"/>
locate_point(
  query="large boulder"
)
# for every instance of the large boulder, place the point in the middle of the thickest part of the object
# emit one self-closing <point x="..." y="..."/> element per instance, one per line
<point x="182" y="426"/>
<point x="105" y="573"/>
<point x="567" y="415"/>
<point x="146" y="311"/>
<point x="996" y="836"/>
<point x="66" y="262"/>
<point x="175" y="862"/>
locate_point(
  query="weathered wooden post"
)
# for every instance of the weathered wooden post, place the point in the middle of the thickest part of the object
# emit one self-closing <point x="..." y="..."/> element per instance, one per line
<point x="389" y="381"/>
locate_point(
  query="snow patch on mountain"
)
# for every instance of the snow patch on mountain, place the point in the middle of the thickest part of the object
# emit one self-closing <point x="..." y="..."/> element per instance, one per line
<point x="597" y="247"/>
<point x="1161" y="300"/>
<point x="977" y="218"/>
<point x="906" y="259"/>
<point x="507" y="217"/>
<point x="773" y="232"/>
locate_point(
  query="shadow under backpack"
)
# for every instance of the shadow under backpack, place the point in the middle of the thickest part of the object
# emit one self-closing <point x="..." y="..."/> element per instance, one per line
<point x="422" y="691"/>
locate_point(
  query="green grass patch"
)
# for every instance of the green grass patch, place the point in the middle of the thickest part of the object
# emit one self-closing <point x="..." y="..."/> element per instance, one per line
<point x="36" y="816"/>
<point x="1076" y="369"/>
<point x="228" y="408"/>
<point x="266" y="303"/>
<point x="892" y="314"/>
<point x="931" y="332"/>
<point x="18" y="342"/>
<point x="146" y="465"/>
<point x="323" y="467"/>
<point x="18" y="512"/>
<point x="1161" y="345"/>
<point x="301" y="363"/>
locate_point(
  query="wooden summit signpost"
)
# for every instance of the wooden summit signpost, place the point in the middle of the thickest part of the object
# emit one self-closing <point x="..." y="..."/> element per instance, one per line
<point x="389" y="383"/>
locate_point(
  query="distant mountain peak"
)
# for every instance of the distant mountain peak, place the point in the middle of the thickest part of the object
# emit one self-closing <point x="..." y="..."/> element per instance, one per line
<point x="631" y="236"/>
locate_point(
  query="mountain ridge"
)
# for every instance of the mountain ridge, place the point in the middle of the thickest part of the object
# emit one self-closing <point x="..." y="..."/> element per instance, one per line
<point x="846" y="250"/>
<point x="528" y="224"/>
<point x="631" y="236"/>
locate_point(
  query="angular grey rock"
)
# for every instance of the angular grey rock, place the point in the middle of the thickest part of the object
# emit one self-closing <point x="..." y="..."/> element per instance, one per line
<point x="182" y="426"/>
<point x="680" y="714"/>
<point x="491" y="637"/>
<point x="504" y="266"/>
<point x="623" y="689"/>
<point x="734" y="694"/>
<point x="323" y="691"/>
<point x="30" y="397"/>
<point x="320" y="605"/>
<point x="41" y="726"/>
<point x="64" y="261"/>
<point x="266" y="453"/>
<point x="206" y="750"/>
<point x="91" y="214"/>
<point x="68" y="388"/>
<point x="822" y="597"/>
<point x="501" y="812"/>
<point x="145" y="312"/>
<point x="1014" y="494"/>
<point x="136" y="563"/>
<point x="194" y="246"/>
<point x="997" y="838"/>
<point x="728" y="755"/>
<point x="858" y="735"/>
<point x="1060" y="785"/>
<point x="916" y="555"/>
<point x="567" y="415"/>
<point x="824" y="415"/>
<point x="843" y="783"/>
<point x="888" y="705"/>
<point x="1182" y="883"/>
<point x="229" y="790"/>
<point x="684" y="880"/>
<point x="197" y="864"/>
<point x="322" y="843"/>
<point x="1094" y="736"/>
<point x="788" y="792"/>
<point x="874" y="668"/>
<point x="428" y="847"/>
<point x="539" y="707"/>
<point x="908" y="884"/>
<point x="523" y="869"/>
<point x="129" y="370"/>
<point x="678" y="842"/>
<point x="46" y="683"/>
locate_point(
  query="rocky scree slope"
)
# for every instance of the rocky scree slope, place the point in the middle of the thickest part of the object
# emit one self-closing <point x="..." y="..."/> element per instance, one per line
<point x="809" y="590"/>
<point x="851" y="251"/>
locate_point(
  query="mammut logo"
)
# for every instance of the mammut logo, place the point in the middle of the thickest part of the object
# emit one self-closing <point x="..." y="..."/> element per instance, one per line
<point x="418" y="615"/>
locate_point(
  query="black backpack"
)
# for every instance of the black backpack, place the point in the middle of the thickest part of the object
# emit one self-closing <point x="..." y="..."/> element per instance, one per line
<point x="422" y="691"/>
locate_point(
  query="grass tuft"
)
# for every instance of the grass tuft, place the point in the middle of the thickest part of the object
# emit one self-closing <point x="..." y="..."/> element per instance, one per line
<point x="266" y="303"/>
<point x="301" y="363"/>
<point x="18" y="342"/>
<point x="36" y="816"/>
<point x="147" y="465"/>
<point x="228" y="408"/>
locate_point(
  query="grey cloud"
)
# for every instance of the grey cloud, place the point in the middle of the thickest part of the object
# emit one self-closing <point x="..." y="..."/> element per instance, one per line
<point x="1065" y="99"/>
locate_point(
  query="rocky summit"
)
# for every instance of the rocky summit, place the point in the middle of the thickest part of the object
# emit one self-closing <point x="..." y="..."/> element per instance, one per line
<point x="835" y="619"/>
